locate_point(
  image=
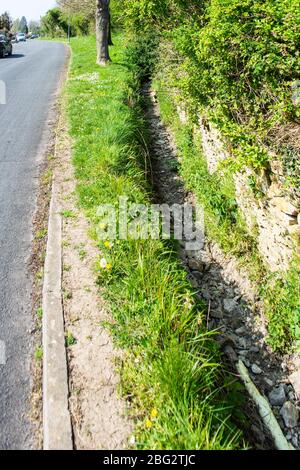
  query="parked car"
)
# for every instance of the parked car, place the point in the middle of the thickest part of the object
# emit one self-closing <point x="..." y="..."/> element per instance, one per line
<point x="34" y="36"/>
<point x="5" y="45"/>
<point x="21" y="37"/>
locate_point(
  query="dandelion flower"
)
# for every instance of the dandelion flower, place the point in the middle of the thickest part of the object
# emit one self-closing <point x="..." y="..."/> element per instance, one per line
<point x="108" y="245"/>
<point x="109" y="267"/>
<point x="154" y="413"/>
<point x="149" y="424"/>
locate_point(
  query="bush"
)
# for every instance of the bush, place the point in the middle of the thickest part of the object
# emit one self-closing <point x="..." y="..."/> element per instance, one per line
<point x="141" y="55"/>
<point x="239" y="60"/>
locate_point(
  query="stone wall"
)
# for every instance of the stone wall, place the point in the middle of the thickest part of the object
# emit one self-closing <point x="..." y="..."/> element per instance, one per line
<point x="273" y="216"/>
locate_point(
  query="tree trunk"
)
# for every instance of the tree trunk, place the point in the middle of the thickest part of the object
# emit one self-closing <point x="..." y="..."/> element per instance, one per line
<point x="110" y="41"/>
<point x="103" y="31"/>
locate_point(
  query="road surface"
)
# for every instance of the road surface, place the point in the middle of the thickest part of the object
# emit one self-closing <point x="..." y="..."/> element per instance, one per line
<point x="31" y="76"/>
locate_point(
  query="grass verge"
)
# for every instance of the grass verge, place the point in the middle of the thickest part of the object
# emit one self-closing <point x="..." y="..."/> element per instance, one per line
<point x="179" y="394"/>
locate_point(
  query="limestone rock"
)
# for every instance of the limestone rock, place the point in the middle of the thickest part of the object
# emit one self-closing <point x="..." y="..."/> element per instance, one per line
<point x="243" y="343"/>
<point x="195" y="264"/>
<point x="295" y="440"/>
<point x="277" y="396"/>
<point x="295" y="382"/>
<point x="230" y="353"/>
<point x="230" y="305"/>
<point x="276" y="166"/>
<point x="294" y="230"/>
<point x="270" y="218"/>
<point x="216" y="314"/>
<point x="240" y="331"/>
<point x="256" y="369"/>
<point x="269" y="383"/>
<point x="282" y="205"/>
<point x="290" y="414"/>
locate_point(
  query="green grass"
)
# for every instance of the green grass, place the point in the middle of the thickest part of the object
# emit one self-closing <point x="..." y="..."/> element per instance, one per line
<point x="70" y="339"/>
<point x="41" y="234"/>
<point x="39" y="313"/>
<point x="38" y="354"/>
<point x="68" y="214"/>
<point x="282" y="303"/>
<point x="180" y="395"/>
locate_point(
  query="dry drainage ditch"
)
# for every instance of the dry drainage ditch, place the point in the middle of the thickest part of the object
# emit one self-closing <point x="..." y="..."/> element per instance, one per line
<point x="234" y="307"/>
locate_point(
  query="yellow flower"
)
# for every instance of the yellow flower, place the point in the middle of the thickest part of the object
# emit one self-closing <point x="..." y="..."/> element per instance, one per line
<point x="108" y="245"/>
<point x="154" y="413"/>
<point x="109" y="267"/>
<point x="149" y="424"/>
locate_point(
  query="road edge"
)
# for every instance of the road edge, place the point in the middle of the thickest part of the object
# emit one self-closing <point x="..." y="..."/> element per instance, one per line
<point x="57" y="427"/>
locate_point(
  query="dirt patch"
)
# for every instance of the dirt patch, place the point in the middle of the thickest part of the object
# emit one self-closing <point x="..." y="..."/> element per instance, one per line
<point x="98" y="414"/>
<point x="235" y="311"/>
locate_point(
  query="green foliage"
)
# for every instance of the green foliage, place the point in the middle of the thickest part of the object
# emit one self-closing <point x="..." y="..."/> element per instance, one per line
<point x="144" y="15"/>
<point x="5" y="21"/>
<point x="171" y="367"/>
<point x="141" y="56"/>
<point x="34" y="27"/>
<point x="80" y="24"/>
<point x="238" y="62"/>
<point x="23" y="25"/>
<point x="56" y="23"/>
<point x="38" y="354"/>
<point x="291" y="164"/>
<point x="70" y="339"/>
<point x="39" y="313"/>
<point x="249" y="52"/>
<point x="282" y="300"/>
<point x="16" y="25"/>
<point x="255" y="187"/>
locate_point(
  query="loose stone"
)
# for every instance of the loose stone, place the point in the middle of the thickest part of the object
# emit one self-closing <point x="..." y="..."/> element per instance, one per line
<point x="256" y="369"/>
<point x="290" y="414"/>
<point x="277" y="396"/>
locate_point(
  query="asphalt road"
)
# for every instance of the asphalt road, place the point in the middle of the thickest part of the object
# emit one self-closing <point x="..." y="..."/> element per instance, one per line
<point x="31" y="76"/>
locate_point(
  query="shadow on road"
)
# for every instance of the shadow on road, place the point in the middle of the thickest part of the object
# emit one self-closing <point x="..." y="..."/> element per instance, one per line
<point x="13" y="56"/>
<point x="16" y="56"/>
